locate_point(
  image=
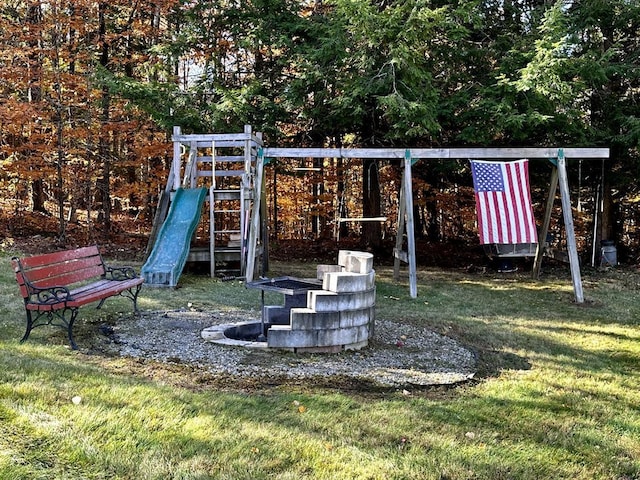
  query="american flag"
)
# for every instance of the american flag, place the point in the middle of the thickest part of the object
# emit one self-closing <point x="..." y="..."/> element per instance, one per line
<point x="503" y="202"/>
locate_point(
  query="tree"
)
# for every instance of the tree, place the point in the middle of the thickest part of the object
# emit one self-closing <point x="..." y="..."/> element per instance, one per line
<point x="89" y="91"/>
<point x="58" y="120"/>
<point x="583" y="63"/>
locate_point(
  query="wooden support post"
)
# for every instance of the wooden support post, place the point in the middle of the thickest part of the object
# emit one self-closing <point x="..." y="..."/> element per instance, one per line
<point x="244" y="225"/>
<point x="574" y="262"/>
<point x="212" y="232"/>
<point x="190" y="169"/>
<point x="597" y="209"/>
<point x="254" y="227"/>
<point x="398" y="254"/>
<point x="174" y="182"/>
<point x="411" y="239"/>
<point x="247" y="149"/>
<point x="405" y="218"/>
<point x="544" y="229"/>
<point x="264" y="229"/>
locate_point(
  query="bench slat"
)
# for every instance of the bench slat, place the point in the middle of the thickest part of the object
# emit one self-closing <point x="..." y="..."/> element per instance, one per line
<point x="67" y="278"/>
<point x="60" y="268"/>
<point x="103" y="291"/>
<point x="90" y="293"/>
<point x="58" y="257"/>
<point x="21" y="283"/>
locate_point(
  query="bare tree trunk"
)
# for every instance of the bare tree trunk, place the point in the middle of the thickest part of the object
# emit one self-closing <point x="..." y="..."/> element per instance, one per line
<point x="103" y="183"/>
<point x="34" y="93"/>
<point x="371" y="231"/>
<point x="343" y="229"/>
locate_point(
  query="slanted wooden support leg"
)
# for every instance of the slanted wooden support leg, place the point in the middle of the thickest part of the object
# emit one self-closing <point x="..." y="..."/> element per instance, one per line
<point x="405" y="220"/>
<point x="398" y="254"/>
<point x="574" y="261"/>
<point x="559" y="178"/>
<point x="544" y="229"/>
<point x="411" y="239"/>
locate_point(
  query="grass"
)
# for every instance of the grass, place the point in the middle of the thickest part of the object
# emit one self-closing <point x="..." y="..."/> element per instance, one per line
<point x="556" y="396"/>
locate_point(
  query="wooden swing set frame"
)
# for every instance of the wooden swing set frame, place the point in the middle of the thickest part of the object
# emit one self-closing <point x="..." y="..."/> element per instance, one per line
<point x="557" y="156"/>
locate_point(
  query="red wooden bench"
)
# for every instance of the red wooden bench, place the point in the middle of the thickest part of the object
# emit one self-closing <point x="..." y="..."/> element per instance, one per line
<point x="55" y="285"/>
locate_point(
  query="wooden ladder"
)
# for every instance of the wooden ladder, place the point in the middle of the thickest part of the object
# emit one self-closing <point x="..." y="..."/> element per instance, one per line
<point x="227" y="206"/>
<point x="232" y="197"/>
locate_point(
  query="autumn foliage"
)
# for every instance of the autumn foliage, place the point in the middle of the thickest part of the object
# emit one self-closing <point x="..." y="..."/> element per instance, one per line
<point x="90" y="91"/>
<point x="69" y="148"/>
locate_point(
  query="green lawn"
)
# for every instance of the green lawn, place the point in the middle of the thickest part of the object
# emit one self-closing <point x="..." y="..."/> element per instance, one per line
<point x="557" y="394"/>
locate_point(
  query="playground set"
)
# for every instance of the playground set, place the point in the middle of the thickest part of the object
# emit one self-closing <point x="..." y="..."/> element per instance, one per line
<point x="225" y="172"/>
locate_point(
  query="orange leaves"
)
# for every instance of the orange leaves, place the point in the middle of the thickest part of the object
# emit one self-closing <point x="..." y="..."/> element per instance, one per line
<point x="59" y="125"/>
<point x="159" y="148"/>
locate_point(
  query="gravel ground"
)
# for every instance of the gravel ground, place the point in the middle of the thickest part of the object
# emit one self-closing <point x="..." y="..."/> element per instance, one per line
<point x="399" y="355"/>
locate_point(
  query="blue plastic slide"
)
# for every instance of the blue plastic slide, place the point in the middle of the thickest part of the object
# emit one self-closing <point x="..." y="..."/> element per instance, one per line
<point x="169" y="254"/>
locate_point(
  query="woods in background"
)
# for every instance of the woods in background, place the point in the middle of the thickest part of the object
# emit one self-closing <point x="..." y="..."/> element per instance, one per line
<point x="89" y="92"/>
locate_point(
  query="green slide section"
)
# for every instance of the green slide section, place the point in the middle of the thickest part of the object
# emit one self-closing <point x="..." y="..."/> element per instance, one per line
<point x="169" y="254"/>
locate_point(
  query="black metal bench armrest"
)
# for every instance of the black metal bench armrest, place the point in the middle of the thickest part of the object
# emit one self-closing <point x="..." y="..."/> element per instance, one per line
<point x="120" y="273"/>
<point x="49" y="296"/>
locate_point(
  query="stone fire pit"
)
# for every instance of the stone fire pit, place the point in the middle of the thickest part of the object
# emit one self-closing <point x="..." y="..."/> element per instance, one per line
<point x="332" y="313"/>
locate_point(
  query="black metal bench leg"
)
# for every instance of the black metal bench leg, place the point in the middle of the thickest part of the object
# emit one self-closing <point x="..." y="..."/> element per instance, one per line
<point x="74" y="314"/>
<point x="135" y="298"/>
<point x="29" y="327"/>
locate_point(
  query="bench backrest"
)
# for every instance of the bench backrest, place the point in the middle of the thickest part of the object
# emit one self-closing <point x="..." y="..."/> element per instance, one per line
<point x="58" y="269"/>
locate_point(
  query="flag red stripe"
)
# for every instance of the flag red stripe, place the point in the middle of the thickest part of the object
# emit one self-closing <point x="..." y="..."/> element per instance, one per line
<point x="506" y="216"/>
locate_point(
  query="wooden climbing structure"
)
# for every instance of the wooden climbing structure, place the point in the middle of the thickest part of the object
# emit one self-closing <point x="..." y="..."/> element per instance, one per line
<point x="229" y="167"/>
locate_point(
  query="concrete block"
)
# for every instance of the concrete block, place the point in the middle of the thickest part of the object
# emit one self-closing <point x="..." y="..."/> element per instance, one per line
<point x="342" y="257"/>
<point x="359" y="263"/>
<point x="307" y="319"/>
<point x="337" y="336"/>
<point x="275" y="314"/>
<point x="354" y="261"/>
<point x="325" y="301"/>
<point x="357" y="345"/>
<point x="363" y="332"/>
<point x="330" y="349"/>
<point x="280" y="327"/>
<point x="292" y="338"/>
<point x="349" y="282"/>
<point x="356" y="318"/>
<point x="322" y="269"/>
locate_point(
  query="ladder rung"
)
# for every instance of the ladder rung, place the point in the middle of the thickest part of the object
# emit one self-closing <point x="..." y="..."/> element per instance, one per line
<point x="230" y="173"/>
<point x="221" y="173"/>
<point x="222" y="158"/>
<point x="222" y="195"/>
